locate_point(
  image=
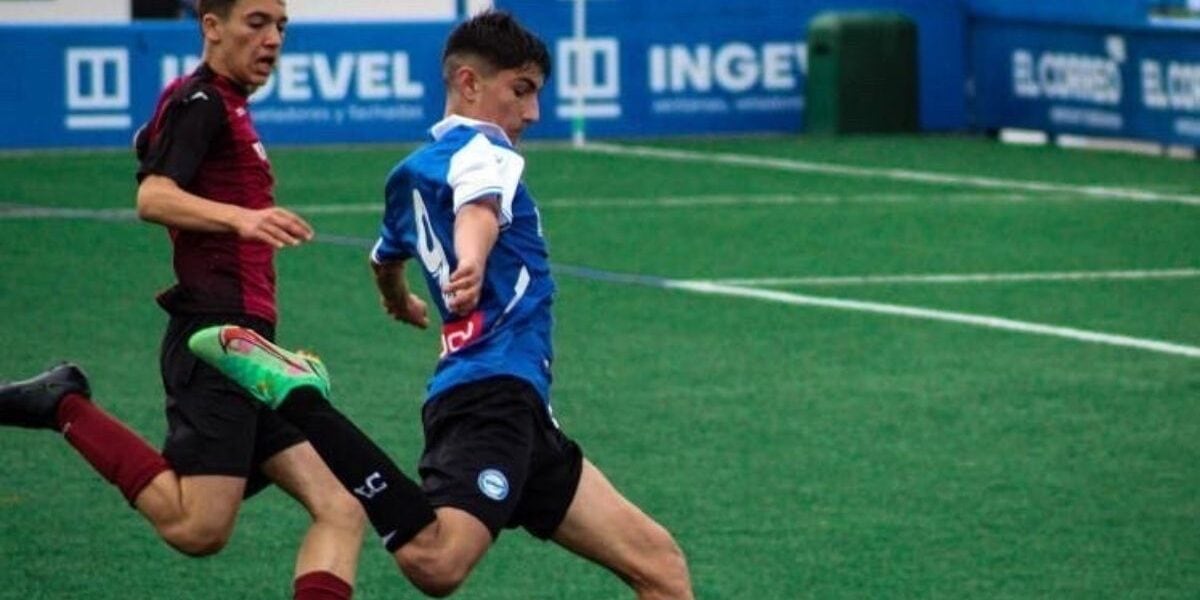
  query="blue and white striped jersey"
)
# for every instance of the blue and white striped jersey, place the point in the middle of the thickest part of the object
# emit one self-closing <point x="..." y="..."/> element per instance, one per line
<point x="509" y="332"/>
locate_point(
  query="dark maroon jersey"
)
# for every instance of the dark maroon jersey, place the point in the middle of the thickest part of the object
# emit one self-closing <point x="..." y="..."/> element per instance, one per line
<point x="201" y="137"/>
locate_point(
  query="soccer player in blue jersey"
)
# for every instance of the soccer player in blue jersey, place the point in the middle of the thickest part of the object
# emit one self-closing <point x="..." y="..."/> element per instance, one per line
<point x="494" y="456"/>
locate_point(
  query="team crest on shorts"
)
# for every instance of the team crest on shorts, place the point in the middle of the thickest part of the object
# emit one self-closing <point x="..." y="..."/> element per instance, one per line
<point x="493" y="484"/>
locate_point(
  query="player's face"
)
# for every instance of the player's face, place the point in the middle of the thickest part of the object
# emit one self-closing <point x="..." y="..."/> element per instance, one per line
<point x="246" y="45"/>
<point x="509" y="98"/>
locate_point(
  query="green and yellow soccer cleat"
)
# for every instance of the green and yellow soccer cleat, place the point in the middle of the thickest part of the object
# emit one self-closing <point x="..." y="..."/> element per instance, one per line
<point x="265" y="370"/>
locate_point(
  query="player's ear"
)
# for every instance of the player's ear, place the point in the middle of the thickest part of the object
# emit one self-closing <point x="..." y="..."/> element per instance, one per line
<point x="210" y="27"/>
<point x="466" y="80"/>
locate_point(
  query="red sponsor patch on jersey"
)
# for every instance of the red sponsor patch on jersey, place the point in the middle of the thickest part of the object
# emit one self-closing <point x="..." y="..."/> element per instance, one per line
<point x="457" y="334"/>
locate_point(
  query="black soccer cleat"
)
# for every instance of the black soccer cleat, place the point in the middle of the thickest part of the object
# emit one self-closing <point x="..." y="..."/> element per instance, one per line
<point x="33" y="403"/>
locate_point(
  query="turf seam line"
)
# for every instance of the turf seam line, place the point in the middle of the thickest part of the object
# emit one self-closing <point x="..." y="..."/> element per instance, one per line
<point x="14" y="210"/>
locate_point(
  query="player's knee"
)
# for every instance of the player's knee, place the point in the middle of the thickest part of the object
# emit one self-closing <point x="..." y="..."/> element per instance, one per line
<point x="196" y="539"/>
<point x="435" y="573"/>
<point x="341" y="510"/>
<point x="676" y="582"/>
<point x="662" y="572"/>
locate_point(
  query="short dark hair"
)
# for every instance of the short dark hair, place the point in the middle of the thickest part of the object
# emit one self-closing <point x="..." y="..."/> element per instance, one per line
<point x="498" y="39"/>
<point x="221" y="8"/>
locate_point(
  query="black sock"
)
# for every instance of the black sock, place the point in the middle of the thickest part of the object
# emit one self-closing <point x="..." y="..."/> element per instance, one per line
<point x="393" y="502"/>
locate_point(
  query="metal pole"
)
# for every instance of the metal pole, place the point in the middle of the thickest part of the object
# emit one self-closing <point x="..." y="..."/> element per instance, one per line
<point x="578" y="123"/>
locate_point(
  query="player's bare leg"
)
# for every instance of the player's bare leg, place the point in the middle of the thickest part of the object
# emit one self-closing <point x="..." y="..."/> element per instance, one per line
<point x="441" y="556"/>
<point x="603" y="526"/>
<point x="334" y="539"/>
<point x="194" y="514"/>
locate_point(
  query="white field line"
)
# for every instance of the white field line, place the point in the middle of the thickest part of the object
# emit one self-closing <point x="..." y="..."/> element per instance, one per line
<point x="24" y="211"/>
<point x="987" y="322"/>
<point x="714" y="200"/>
<point x="714" y="288"/>
<point x="782" y="164"/>
<point x="741" y="200"/>
<point x="938" y="278"/>
<point x="18" y="211"/>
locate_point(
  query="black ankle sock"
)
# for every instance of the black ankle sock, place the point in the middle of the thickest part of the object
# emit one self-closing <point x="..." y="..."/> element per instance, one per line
<point x="393" y="502"/>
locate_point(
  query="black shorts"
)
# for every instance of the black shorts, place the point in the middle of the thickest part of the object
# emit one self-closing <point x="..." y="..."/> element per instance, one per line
<point x="213" y="426"/>
<point x="492" y="450"/>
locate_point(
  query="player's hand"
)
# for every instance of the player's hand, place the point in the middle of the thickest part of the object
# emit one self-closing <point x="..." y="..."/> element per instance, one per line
<point x="276" y="226"/>
<point x="462" y="292"/>
<point x="410" y="309"/>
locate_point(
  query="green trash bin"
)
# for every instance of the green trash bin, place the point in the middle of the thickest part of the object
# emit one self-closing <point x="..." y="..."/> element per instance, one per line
<point x="862" y="73"/>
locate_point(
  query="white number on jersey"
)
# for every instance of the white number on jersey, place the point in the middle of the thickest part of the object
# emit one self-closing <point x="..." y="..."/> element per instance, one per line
<point x="433" y="255"/>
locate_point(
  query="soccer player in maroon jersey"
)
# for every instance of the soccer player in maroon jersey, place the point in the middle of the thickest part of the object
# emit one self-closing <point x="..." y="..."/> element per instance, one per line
<point x="204" y="175"/>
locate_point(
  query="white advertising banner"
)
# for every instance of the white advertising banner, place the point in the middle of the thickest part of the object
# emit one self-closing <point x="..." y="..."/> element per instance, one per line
<point x="341" y="11"/>
<point x="65" y="11"/>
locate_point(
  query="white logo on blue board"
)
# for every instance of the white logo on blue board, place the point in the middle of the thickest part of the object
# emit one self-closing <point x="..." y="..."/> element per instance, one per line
<point x="97" y="88"/>
<point x="590" y="84"/>
<point x="493" y="484"/>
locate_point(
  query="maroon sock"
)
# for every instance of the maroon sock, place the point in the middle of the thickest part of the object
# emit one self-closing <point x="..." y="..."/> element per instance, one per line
<point x="321" y="585"/>
<point x="117" y="453"/>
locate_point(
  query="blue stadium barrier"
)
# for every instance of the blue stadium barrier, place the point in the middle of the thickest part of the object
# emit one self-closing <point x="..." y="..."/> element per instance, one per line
<point x="703" y="66"/>
<point x="645" y="69"/>
<point x="92" y="86"/>
<point x="653" y="69"/>
<point x="1107" y="69"/>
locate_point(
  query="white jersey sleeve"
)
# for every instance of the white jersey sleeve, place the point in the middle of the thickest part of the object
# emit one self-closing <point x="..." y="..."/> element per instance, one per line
<point x="481" y="169"/>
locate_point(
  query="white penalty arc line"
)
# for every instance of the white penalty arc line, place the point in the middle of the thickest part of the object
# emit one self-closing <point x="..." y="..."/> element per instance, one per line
<point x="984" y="321"/>
<point x="781" y="164"/>
<point x="951" y="278"/>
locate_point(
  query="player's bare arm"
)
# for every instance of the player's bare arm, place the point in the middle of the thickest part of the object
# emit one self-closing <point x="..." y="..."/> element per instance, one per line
<point x="161" y="200"/>
<point x="397" y="300"/>
<point x="476" y="227"/>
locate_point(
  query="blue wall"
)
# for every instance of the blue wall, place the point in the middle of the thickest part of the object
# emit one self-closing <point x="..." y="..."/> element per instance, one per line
<point x="652" y="69"/>
<point x="1063" y="12"/>
<point x="719" y="66"/>
<point x="656" y="68"/>
<point x="1094" y="68"/>
<point x="1125" y="14"/>
<point x="93" y="86"/>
